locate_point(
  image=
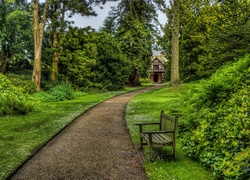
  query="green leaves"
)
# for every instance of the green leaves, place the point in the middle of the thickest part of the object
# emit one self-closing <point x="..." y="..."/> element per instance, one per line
<point x="217" y="128"/>
<point x="59" y="92"/>
<point x="93" y="60"/>
<point x="12" y="100"/>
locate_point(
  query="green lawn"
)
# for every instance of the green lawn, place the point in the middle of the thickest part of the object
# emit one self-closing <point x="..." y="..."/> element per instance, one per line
<point x="147" y="107"/>
<point x="21" y="136"/>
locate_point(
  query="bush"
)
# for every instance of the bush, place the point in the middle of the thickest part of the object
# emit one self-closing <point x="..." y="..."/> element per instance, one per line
<point x="23" y="82"/>
<point x="145" y="81"/>
<point x="217" y="127"/>
<point x="12" y="100"/>
<point x="59" y="92"/>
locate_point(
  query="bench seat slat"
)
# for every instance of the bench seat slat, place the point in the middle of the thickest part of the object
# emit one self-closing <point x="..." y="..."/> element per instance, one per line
<point x="160" y="138"/>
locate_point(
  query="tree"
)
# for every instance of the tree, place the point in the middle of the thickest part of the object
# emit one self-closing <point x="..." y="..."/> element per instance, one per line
<point x="57" y="15"/>
<point x="175" y="80"/>
<point x="197" y="20"/>
<point x="14" y="36"/>
<point x="112" y="69"/>
<point x="109" y="24"/>
<point x="38" y="40"/>
<point x="135" y="28"/>
<point x="78" y="57"/>
<point x="93" y="60"/>
<point x="230" y="37"/>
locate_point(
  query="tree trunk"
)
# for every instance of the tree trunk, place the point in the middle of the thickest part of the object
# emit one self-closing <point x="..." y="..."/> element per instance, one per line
<point x="134" y="79"/>
<point x="131" y="7"/>
<point x="175" y="80"/>
<point x="57" y="43"/>
<point x="54" y="69"/>
<point x="5" y="57"/>
<point x="4" y="63"/>
<point x="137" y="77"/>
<point x="38" y="38"/>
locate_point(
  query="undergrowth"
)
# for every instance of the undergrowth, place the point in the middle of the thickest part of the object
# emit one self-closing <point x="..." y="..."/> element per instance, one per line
<point x="216" y="121"/>
<point x="12" y="100"/>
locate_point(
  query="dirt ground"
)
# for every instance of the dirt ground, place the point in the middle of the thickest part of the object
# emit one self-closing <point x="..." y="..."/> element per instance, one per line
<point x="97" y="145"/>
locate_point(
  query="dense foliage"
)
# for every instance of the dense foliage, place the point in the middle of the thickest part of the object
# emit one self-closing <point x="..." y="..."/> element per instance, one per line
<point x="23" y="82"/>
<point x="134" y="24"/>
<point x="15" y="35"/>
<point x="12" y="100"/>
<point x="93" y="60"/>
<point x="217" y="121"/>
<point x="112" y="67"/>
<point x="55" y="93"/>
<point x="211" y="35"/>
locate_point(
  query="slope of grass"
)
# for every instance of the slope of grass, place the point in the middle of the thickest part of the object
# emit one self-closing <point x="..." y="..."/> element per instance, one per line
<point x="147" y="107"/>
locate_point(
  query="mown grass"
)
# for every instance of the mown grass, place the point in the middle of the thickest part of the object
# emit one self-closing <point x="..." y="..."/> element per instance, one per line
<point x="147" y="107"/>
<point x="21" y="136"/>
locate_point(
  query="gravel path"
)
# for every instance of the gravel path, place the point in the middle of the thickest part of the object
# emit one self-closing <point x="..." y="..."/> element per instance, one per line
<point x="97" y="145"/>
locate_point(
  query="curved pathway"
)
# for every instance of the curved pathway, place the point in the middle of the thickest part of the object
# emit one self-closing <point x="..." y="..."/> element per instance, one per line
<point x="97" y="145"/>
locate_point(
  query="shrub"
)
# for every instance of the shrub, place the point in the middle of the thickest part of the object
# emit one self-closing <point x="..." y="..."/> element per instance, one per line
<point x="217" y="127"/>
<point x="12" y="100"/>
<point x="23" y="82"/>
<point x="59" y="92"/>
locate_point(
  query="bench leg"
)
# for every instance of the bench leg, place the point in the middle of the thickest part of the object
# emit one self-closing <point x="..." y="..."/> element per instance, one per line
<point x="150" y="151"/>
<point x="141" y="142"/>
<point x="150" y="146"/>
<point x="174" y="151"/>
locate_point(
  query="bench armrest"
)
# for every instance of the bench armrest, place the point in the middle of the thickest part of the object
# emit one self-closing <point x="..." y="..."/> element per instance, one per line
<point x="147" y="123"/>
<point x="157" y="132"/>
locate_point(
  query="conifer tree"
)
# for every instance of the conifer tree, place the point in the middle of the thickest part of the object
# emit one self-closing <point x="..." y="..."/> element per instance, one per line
<point x="135" y="28"/>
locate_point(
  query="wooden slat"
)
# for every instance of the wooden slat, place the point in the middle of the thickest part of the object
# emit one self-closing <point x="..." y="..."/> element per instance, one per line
<point x="158" y="138"/>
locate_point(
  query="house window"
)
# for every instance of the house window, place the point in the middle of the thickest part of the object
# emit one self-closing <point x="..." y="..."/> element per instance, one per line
<point x="156" y="67"/>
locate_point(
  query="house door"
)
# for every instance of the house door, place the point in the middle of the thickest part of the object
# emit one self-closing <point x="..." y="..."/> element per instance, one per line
<point x="155" y="77"/>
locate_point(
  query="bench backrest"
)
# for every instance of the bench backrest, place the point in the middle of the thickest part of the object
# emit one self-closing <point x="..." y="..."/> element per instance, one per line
<point x="168" y="122"/>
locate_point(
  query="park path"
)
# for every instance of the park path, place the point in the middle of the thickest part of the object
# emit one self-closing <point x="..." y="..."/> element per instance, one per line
<point x="95" y="146"/>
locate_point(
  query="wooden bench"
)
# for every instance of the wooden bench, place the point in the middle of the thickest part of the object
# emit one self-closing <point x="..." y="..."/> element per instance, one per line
<point x="165" y="136"/>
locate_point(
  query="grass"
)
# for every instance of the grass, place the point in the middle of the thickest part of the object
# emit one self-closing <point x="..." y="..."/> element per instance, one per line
<point x="147" y="107"/>
<point x="21" y="136"/>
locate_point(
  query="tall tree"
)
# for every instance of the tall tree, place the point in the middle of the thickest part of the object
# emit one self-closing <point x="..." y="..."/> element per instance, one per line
<point x="230" y="36"/>
<point x="197" y="18"/>
<point x="135" y="29"/>
<point x="14" y="33"/>
<point x="109" y="24"/>
<point x="78" y="57"/>
<point x="57" y="13"/>
<point x="38" y="40"/>
<point x="175" y="79"/>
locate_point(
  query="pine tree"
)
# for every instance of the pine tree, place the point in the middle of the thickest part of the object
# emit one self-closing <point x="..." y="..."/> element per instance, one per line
<point x="135" y="28"/>
<point x="231" y="35"/>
